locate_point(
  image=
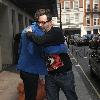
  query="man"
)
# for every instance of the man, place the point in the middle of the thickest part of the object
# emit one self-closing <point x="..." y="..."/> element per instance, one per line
<point x="30" y="63"/>
<point x="60" y="75"/>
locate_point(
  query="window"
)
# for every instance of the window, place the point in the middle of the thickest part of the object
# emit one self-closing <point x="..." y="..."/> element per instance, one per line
<point x="95" y="5"/>
<point x="62" y="5"/>
<point x="72" y="16"/>
<point x="76" y="5"/>
<point x="76" y="18"/>
<point x="63" y="19"/>
<point x="67" y="18"/>
<point x="87" y="5"/>
<point x="66" y="4"/>
<point x="96" y="19"/>
<point x="96" y="1"/>
<point x="95" y="22"/>
<point x="88" y="20"/>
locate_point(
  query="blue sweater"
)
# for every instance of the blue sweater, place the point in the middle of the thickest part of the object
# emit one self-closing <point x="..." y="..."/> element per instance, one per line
<point x="30" y="59"/>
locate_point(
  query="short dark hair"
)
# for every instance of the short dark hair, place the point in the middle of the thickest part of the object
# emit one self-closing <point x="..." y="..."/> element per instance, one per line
<point x="41" y="12"/>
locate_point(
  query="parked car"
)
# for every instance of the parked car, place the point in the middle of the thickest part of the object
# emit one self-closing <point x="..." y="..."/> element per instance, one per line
<point x="94" y="57"/>
<point x="89" y="36"/>
<point x="94" y="42"/>
<point x="77" y="39"/>
<point x="82" y="41"/>
<point x="71" y="40"/>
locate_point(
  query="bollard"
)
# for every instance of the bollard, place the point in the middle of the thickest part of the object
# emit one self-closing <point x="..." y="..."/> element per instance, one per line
<point x="72" y="49"/>
<point x="77" y="58"/>
<point x="84" y="53"/>
<point x="0" y="60"/>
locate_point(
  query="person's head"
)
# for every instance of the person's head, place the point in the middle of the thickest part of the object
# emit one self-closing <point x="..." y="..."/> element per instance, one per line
<point x="44" y="19"/>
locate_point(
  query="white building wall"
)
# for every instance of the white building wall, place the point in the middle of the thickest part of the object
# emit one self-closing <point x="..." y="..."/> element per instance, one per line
<point x="75" y="19"/>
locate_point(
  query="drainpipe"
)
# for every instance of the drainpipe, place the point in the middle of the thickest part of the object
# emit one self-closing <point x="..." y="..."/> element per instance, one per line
<point x="60" y="16"/>
<point x="60" y="2"/>
<point x="91" y="14"/>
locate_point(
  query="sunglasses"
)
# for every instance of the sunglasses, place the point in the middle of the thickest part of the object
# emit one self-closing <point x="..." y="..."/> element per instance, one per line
<point x="42" y="22"/>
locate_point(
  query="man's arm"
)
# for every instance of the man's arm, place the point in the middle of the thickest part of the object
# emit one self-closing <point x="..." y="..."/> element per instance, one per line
<point x="39" y="39"/>
<point x="50" y="39"/>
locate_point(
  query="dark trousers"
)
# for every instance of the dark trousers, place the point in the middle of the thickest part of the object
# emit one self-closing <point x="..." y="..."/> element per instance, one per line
<point x="30" y="85"/>
<point x="63" y="81"/>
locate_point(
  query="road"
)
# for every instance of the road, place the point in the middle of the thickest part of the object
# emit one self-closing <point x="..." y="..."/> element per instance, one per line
<point x="80" y="59"/>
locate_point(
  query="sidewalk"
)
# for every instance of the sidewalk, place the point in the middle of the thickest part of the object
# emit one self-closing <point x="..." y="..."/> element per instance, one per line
<point x="8" y="85"/>
<point x="9" y="81"/>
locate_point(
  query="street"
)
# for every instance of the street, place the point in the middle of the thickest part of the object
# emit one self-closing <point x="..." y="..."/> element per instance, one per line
<point x="80" y="59"/>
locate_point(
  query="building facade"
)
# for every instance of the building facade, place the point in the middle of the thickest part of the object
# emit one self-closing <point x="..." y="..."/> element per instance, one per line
<point x="12" y="21"/>
<point x="71" y="13"/>
<point x="91" y="17"/>
<point x="83" y="14"/>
